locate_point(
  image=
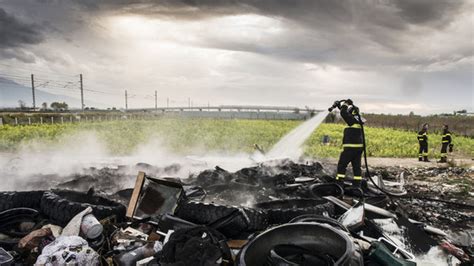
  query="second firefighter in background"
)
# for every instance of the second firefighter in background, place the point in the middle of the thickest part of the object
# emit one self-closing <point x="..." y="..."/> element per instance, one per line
<point x="445" y="142"/>
<point x="423" y="142"/>
<point x="352" y="143"/>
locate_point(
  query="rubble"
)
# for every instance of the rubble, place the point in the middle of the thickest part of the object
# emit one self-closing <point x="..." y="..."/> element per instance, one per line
<point x="247" y="217"/>
<point x="68" y="250"/>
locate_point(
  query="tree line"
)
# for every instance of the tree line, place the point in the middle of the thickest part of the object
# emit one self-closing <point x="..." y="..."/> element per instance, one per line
<point x="458" y="124"/>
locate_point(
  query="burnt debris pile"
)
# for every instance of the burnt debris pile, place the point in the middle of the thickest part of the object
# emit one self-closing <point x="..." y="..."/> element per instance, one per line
<point x="273" y="213"/>
<point x="266" y="181"/>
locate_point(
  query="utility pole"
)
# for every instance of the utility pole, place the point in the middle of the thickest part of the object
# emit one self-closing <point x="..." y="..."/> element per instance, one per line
<point x="189" y="102"/>
<point x="82" y="93"/>
<point x="156" y="100"/>
<point x="33" y="91"/>
<point x="167" y="102"/>
<point x="126" y="100"/>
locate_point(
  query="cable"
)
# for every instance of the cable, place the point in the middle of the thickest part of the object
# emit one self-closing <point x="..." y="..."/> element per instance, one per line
<point x="388" y="193"/>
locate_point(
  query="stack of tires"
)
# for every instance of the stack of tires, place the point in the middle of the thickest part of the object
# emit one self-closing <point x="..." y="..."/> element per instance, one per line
<point x="283" y="211"/>
<point x="232" y="221"/>
<point x="60" y="206"/>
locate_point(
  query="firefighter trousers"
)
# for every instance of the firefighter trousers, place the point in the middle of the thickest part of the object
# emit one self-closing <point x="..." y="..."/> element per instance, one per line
<point x="353" y="156"/>
<point x="444" y="150"/>
<point x="423" y="151"/>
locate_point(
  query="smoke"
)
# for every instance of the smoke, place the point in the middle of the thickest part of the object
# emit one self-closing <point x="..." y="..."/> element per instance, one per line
<point x="42" y="159"/>
<point x="42" y="164"/>
<point x="45" y="163"/>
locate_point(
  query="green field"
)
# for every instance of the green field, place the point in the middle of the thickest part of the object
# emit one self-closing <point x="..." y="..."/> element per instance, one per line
<point x="186" y="135"/>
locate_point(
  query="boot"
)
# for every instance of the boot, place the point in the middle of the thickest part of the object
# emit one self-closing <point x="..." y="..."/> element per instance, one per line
<point x="443" y="160"/>
<point x="420" y="159"/>
<point x="340" y="182"/>
<point x="425" y="159"/>
<point x="356" y="183"/>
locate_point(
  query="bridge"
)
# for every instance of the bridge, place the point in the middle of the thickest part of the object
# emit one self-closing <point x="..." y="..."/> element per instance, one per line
<point x="235" y="111"/>
<point x="26" y="117"/>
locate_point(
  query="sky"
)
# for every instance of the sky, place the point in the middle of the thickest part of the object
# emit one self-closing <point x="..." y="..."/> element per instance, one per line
<point x="388" y="56"/>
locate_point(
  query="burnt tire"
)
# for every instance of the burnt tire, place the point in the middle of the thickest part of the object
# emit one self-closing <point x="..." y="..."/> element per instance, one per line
<point x="316" y="218"/>
<point x="207" y="213"/>
<point x="21" y="199"/>
<point x="282" y="211"/>
<point x="61" y="206"/>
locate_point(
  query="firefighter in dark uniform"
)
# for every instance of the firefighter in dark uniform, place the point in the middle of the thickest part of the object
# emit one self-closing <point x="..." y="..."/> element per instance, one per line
<point x="445" y="142"/>
<point x="423" y="141"/>
<point x="352" y="143"/>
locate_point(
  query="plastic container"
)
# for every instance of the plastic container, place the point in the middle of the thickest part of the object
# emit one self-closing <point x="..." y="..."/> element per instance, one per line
<point x="90" y="227"/>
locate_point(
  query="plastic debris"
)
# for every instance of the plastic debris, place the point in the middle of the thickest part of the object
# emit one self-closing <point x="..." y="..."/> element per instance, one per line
<point x="33" y="239"/>
<point x="197" y="220"/>
<point x="68" y="250"/>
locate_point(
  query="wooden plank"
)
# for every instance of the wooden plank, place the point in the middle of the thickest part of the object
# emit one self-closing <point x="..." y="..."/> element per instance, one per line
<point x="136" y="193"/>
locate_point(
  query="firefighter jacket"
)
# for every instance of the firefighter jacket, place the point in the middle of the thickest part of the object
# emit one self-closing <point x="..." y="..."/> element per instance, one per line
<point x="423" y="137"/>
<point x="446" y="137"/>
<point x="353" y="132"/>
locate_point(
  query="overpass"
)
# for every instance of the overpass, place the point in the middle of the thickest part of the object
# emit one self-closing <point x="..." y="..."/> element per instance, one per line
<point x="235" y="111"/>
<point x="27" y="117"/>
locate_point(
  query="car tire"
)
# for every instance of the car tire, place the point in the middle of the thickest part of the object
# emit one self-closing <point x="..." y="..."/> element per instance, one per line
<point x="282" y="211"/>
<point x="20" y="199"/>
<point x="61" y="206"/>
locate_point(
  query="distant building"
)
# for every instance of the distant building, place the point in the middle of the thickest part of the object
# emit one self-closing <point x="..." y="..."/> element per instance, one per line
<point x="465" y="113"/>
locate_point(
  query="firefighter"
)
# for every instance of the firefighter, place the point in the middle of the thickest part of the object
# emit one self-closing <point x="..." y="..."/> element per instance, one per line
<point x="423" y="141"/>
<point x="352" y="143"/>
<point x="445" y="142"/>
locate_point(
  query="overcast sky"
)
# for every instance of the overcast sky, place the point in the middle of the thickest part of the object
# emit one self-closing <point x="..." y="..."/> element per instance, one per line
<point x="389" y="56"/>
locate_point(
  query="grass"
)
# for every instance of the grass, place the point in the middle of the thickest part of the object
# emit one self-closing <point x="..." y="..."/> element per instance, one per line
<point x="185" y="135"/>
<point x="382" y="142"/>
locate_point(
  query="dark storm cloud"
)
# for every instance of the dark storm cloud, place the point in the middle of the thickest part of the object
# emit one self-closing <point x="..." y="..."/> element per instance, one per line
<point x="427" y="11"/>
<point x="344" y="32"/>
<point x="391" y="13"/>
<point x="15" y="33"/>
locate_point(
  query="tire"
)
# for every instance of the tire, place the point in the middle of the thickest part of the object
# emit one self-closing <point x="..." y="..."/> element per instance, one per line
<point x="282" y="211"/>
<point x="22" y="199"/>
<point x="242" y="183"/>
<point x="326" y="189"/>
<point x="204" y="213"/>
<point x="61" y="206"/>
<point x="11" y="219"/>
<point x="212" y="177"/>
<point x="316" y="218"/>
<point x="313" y="236"/>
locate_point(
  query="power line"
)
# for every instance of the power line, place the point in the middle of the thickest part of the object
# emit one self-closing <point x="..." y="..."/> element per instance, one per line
<point x="64" y="84"/>
<point x="43" y="80"/>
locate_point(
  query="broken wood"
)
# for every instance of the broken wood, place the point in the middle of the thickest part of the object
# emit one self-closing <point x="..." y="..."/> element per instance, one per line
<point x="136" y="193"/>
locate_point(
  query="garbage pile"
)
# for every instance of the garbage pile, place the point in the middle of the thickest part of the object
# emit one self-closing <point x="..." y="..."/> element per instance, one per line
<point x="275" y="213"/>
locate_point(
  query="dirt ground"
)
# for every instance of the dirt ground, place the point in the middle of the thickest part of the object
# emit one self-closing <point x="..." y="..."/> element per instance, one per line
<point x="413" y="162"/>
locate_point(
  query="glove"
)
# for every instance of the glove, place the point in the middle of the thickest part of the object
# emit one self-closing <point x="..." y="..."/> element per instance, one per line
<point x="355" y="110"/>
<point x="337" y="104"/>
